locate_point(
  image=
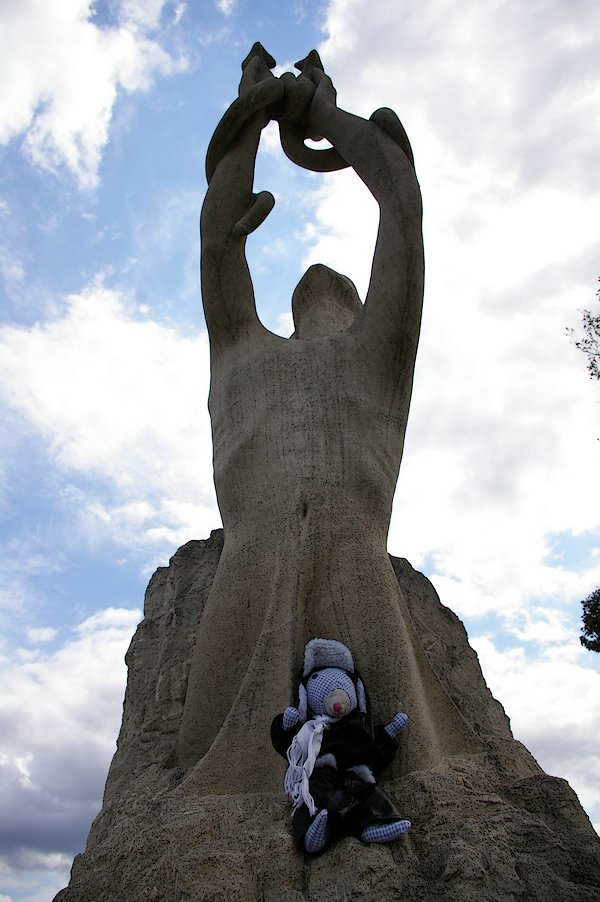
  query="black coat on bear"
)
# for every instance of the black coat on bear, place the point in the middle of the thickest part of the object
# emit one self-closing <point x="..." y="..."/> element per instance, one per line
<point x="352" y="803"/>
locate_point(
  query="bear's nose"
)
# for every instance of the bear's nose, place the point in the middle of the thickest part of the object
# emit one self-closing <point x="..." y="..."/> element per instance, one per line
<point x="337" y="707"/>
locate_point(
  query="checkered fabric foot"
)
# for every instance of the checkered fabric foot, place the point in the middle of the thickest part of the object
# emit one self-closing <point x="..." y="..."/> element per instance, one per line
<point x="384" y="832"/>
<point x="316" y="835"/>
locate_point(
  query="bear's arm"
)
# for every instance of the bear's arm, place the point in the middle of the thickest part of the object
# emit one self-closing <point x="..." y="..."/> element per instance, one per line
<point x="384" y="750"/>
<point x="281" y="738"/>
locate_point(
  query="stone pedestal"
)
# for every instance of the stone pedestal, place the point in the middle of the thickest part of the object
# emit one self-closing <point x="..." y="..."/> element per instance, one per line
<point x="487" y="827"/>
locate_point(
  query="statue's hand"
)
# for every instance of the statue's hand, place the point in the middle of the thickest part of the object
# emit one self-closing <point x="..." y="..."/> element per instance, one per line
<point x="323" y="103"/>
<point x="307" y="113"/>
<point x="291" y="716"/>
<point x="397" y="723"/>
<point x="297" y="95"/>
<point x="256" y="67"/>
<point x="259" y="90"/>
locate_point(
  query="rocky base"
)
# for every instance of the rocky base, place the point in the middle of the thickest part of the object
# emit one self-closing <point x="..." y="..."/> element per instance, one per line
<point x="491" y="827"/>
<point x="476" y="847"/>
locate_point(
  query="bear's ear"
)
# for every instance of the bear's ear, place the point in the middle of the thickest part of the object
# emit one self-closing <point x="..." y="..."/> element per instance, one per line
<point x="361" y="696"/>
<point x="302" y="703"/>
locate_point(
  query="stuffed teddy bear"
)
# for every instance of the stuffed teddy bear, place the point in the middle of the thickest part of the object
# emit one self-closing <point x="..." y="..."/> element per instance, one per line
<point x="335" y="753"/>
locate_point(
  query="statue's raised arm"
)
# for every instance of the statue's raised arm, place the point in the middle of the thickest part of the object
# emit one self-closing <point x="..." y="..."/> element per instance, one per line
<point x="231" y="211"/>
<point x="379" y="151"/>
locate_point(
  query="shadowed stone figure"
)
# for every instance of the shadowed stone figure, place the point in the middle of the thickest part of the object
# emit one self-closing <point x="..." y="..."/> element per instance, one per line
<point x="308" y="435"/>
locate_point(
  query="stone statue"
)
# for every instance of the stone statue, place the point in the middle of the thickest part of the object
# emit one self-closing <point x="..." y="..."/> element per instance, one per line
<point x="308" y="435"/>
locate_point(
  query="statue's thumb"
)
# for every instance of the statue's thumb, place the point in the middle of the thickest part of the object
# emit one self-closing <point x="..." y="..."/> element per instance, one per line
<point x="256" y="215"/>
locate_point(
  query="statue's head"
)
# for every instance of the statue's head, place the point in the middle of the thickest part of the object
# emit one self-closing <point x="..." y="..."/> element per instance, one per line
<point x="324" y="303"/>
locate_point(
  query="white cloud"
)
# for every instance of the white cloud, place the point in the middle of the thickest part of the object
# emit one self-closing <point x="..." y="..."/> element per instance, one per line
<point x="39" y="635"/>
<point x="122" y="401"/>
<point x="344" y="230"/>
<point x="269" y="140"/>
<point x="553" y="701"/>
<point x="11" y="269"/>
<point x="493" y="82"/>
<point x="20" y="562"/>
<point x="285" y="325"/>
<point x="38" y="878"/>
<point x="142" y="13"/>
<point x="165" y="250"/>
<point x="65" y="73"/>
<point x="59" y="717"/>
<point x="226" y="6"/>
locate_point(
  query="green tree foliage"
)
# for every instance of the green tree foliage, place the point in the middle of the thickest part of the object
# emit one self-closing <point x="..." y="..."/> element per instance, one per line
<point x="590" y="343"/>
<point x="590" y="634"/>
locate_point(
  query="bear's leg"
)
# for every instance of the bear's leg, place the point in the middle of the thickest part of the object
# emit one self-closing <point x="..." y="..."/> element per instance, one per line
<point x="384" y="832"/>
<point x="316" y="835"/>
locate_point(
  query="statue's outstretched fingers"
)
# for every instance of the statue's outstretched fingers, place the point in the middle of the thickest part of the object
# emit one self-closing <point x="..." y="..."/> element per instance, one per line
<point x="389" y="123"/>
<point x="311" y="61"/>
<point x="256" y="215"/>
<point x="311" y="67"/>
<point x="257" y="49"/>
<point x="256" y="67"/>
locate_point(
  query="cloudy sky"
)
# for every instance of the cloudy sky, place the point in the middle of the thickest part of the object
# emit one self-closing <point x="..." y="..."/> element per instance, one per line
<point x="105" y="459"/>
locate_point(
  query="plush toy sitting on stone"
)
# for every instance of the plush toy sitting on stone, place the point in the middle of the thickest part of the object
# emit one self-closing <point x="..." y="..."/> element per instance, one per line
<point x="335" y="753"/>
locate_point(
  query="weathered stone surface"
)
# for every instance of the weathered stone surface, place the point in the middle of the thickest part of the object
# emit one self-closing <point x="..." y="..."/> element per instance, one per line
<point x="487" y="827"/>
